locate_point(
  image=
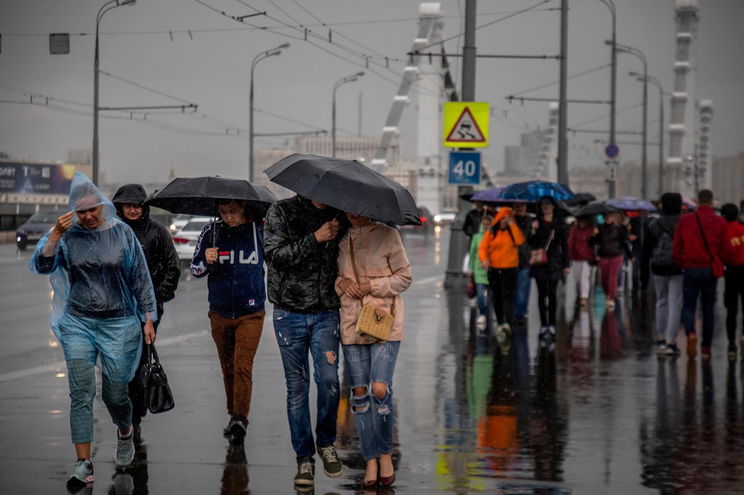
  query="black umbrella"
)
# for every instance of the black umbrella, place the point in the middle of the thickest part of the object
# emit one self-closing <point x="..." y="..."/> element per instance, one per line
<point x="346" y="185"/>
<point x="581" y="199"/>
<point x="199" y="195"/>
<point x="593" y="209"/>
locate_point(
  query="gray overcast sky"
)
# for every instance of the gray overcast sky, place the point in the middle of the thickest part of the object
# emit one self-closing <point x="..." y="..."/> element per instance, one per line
<point x="148" y="44"/>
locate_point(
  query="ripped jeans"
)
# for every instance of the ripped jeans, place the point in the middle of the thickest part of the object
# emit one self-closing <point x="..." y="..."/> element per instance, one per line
<point x="296" y="334"/>
<point x="367" y="364"/>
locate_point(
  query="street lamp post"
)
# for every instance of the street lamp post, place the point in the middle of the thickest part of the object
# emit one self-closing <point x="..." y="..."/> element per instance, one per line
<point x="658" y="85"/>
<point x="110" y="5"/>
<point x="251" y="133"/>
<point x="613" y="92"/>
<point x="642" y="57"/>
<point x="339" y="83"/>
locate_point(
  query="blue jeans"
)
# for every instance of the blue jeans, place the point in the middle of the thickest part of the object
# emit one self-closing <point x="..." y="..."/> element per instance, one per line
<point x="699" y="281"/>
<point x="373" y="416"/>
<point x="296" y="333"/>
<point x="522" y="296"/>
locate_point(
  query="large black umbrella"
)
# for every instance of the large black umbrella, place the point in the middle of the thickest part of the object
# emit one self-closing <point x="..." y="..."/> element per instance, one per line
<point x="593" y="209"/>
<point x="346" y="185"/>
<point x="199" y="195"/>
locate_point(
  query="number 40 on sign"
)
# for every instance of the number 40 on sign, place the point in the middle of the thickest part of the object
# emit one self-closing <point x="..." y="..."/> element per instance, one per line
<point x="464" y="167"/>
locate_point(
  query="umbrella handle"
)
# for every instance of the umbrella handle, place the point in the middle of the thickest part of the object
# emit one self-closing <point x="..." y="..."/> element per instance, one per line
<point x="214" y="231"/>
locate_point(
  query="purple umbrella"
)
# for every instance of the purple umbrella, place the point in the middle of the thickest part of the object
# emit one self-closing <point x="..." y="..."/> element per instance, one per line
<point x="493" y="195"/>
<point x="630" y="203"/>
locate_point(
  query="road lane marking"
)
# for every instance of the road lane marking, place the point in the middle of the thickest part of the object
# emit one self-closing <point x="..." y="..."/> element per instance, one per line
<point x="428" y="280"/>
<point x="61" y="365"/>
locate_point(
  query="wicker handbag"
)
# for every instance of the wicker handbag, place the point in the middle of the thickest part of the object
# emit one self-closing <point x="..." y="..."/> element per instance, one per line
<point x="373" y="322"/>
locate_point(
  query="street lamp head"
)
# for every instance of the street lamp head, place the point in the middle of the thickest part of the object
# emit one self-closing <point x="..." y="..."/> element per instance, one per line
<point x="282" y="46"/>
<point x="127" y="2"/>
<point x="358" y="74"/>
<point x="635" y="74"/>
<point x="273" y="52"/>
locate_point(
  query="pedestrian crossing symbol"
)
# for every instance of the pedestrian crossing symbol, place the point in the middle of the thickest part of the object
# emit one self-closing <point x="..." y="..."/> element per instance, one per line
<point x="466" y="124"/>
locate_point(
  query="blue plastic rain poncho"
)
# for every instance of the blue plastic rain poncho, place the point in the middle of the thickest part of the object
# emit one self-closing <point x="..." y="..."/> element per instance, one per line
<point x="97" y="273"/>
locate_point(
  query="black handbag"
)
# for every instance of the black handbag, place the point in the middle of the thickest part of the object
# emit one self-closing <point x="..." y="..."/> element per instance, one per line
<point x="158" y="395"/>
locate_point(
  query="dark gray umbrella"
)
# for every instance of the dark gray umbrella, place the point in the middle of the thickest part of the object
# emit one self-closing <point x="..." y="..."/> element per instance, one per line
<point x="593" y="209"/>
<point x="346" y="185"/>
<point x="199" y="195"/>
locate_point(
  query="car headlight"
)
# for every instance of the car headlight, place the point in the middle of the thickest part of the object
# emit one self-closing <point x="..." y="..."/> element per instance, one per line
<point x="437" y="218"/>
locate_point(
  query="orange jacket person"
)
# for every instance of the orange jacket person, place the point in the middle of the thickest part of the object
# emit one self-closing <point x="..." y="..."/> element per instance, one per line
<point x="499" y="253"/>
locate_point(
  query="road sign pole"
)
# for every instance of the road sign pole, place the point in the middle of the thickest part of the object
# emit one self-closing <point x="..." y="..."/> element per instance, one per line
<point x="458" y="240"/>
<point x="612" y="151"/>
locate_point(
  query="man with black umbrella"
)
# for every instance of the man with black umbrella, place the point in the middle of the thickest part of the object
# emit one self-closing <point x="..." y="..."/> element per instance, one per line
<point x="301" y="253"/>
<point x="162" y="263"/>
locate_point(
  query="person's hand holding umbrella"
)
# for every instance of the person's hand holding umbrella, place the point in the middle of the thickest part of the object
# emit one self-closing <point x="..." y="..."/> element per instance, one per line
<point x="210" y="254"/>
<point x="327" y="231"/>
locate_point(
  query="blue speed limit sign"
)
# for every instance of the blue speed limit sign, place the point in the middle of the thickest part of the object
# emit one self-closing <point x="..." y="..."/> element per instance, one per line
<point x="464" y="168"/>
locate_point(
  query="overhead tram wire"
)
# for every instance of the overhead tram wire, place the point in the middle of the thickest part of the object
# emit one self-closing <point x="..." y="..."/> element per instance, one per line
<point x="246" y="28"/>
<point x="367" y="60"/>
<point x="139" y="116"/>
<point x="622" y="110"/>
<point x="574" y="76"/>
<point x="509" y="16"/>
<point x="142" y="86"/>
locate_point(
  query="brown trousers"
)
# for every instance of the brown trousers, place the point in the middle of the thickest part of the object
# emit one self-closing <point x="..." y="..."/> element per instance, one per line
<point x="237" y="342"/>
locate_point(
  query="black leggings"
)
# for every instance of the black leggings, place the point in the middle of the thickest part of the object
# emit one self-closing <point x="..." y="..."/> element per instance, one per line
<point x="731" y="296"/>
<point x="547" y="300"/>
<point x="503" y="284"/>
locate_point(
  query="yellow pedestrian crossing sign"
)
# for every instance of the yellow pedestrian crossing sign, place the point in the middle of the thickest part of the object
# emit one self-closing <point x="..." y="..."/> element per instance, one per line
<point x="466" y="124"/>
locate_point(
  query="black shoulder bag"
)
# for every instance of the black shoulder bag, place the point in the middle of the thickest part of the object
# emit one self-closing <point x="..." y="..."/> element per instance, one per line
<point x="158" y="395"/>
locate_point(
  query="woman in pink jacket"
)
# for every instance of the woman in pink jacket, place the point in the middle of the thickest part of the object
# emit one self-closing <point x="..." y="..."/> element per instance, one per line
<point x="372" y="269"/>
<point x="583" y="257"/>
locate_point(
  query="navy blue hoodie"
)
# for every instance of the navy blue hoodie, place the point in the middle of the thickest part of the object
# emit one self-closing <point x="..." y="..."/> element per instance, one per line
<point x="236" y="279"/>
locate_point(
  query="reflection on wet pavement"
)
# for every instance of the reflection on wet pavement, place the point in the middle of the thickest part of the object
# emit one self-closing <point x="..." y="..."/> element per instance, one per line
<point x="585" y="415"/>
<point x="602" y="414"/>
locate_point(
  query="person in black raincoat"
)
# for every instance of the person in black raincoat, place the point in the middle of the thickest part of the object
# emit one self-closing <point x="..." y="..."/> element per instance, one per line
<point x="162" y="263"/>
<point x="549" y="233"/>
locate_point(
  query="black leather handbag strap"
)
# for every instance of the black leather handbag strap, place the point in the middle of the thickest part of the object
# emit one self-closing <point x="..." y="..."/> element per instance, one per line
<point x="152" y="355"/>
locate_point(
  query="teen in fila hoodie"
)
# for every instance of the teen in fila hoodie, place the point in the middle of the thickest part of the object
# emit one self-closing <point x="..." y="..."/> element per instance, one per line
<point x="236" y="279"/>
<point x="234" y="267"/>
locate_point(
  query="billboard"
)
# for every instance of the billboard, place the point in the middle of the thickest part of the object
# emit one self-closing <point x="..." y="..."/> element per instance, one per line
<point x="35" y="178"/>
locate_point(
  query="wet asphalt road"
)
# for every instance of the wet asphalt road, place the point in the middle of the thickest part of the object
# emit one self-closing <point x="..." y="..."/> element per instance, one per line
<point x="602" y="414"/>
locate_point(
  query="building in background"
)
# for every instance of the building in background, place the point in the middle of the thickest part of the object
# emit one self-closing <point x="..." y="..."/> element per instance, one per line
<point x="521" y="160"/>
<point x="728" y="179"/>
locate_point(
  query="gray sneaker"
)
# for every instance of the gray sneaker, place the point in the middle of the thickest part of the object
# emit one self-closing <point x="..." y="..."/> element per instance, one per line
<point x="331" y="465"/>
<point x="82" y="474"/>
<point x="124" y="450"/>
<point x="305" y="472"/>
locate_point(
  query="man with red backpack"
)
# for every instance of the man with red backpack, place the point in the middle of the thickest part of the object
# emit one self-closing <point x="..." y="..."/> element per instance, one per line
<point x="697" y="247"/>
<point x="732" y="254"/>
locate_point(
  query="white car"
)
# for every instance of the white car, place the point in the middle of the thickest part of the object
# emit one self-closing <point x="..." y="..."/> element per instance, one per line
<point x="179" y="222"/>
<point x="185" y="239"/>
<point x="444" y="217"/>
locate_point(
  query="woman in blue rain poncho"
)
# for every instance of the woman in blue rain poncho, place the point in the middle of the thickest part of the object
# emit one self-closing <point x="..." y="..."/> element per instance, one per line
<point x="102" y="290"/>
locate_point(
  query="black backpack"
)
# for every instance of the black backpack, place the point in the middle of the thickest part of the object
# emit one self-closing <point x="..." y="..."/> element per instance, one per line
<point x="662" y="252"/>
